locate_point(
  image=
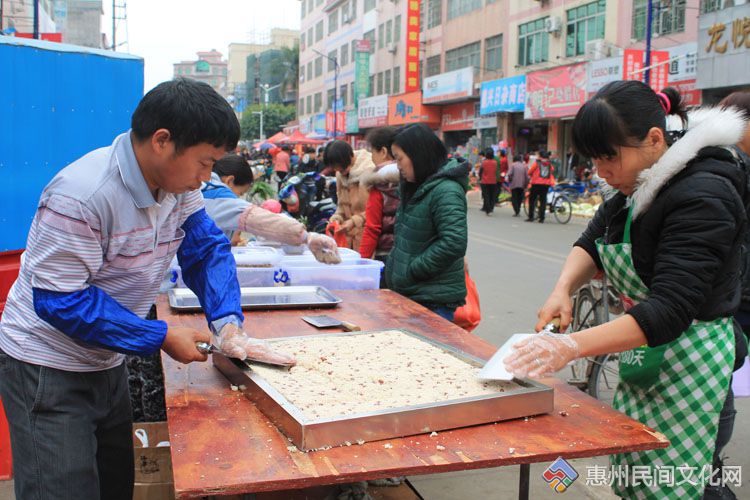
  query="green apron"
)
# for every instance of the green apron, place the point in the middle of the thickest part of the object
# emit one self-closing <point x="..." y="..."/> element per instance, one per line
<point x="678" y="389"/>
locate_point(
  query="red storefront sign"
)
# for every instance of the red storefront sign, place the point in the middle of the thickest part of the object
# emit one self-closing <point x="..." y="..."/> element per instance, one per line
<point x="690" y="95"/>
<point x="340" y="122"/>
<point x="458" y="116"/>
<point x="555" y="93"/>
<point x="408" y="108"/>
<point x="412" y="46"/>
<point x="633" y="65"/>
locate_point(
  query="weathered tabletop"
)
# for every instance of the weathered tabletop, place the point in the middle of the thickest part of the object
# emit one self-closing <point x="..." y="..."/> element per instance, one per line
<point x="222" y="444"/>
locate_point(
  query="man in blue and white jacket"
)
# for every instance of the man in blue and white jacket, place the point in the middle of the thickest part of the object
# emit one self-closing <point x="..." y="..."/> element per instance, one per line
<point x="104" y="233"/>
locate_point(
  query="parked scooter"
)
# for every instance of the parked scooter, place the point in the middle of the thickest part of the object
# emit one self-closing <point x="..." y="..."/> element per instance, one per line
<point x="298" y="199"/>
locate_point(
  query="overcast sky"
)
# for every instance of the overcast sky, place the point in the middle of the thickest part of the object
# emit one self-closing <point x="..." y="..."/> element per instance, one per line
<point x="167" y="31"/>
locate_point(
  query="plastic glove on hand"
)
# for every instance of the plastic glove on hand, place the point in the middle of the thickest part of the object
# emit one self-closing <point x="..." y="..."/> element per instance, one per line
<point x="235" y="343"/>
<point x="542" y="354"/>
<point x="324" y="248"/>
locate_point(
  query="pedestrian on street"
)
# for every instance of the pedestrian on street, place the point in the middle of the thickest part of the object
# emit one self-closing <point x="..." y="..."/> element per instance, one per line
<point x="282" y="164"/>
<point x="488" y="181"/>
<point x="308" y="162"/>
<point x="427" y="260"/>
<point x="350" y="167"/>
<point x="518" y="179"/>
<point x="542" y="175"/>
<point x="502" y="176"/>
<point x="383" y="200"/>
<point x="670" y="243"/>
<point x="105" y="230"/>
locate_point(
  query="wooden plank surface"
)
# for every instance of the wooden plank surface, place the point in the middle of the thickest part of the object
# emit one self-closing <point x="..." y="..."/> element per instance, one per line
<point x="222" y="444"/>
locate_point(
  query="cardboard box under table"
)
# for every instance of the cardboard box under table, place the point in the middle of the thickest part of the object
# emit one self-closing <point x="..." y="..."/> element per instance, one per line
<point x="222" y="443"/>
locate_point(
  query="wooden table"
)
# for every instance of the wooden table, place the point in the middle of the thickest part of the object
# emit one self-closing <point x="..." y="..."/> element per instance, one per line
<point x="222" y="444"/>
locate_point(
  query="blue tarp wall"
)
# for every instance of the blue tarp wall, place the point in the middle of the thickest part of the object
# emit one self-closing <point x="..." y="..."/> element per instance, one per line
<point x="57" y="103"/>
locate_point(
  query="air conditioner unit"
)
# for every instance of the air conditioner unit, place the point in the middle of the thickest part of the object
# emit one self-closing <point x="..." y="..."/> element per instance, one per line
<point x="346" y="18"/>
<point x="553" y="25"/>
<point x="598" y="49"/>
<point x="392" y="48"/>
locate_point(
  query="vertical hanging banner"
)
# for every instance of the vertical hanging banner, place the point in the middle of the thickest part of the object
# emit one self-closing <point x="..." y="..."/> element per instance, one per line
<point x="362" y="70"/>
<point x="632" y="67"/>
<point x="412" y="46"/>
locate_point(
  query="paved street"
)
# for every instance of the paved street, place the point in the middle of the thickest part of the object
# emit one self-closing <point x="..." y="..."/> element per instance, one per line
<point x="515" y="264"/>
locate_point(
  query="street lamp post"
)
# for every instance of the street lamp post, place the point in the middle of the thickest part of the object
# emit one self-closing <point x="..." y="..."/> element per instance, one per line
<point x="647" y="56"/>
<point x="267" y="89"/>
<point x="262" y="137"/>
<point x="335" y="62"/>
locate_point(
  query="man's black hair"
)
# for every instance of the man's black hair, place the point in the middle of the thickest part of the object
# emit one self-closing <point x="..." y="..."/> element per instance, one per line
<point x="338" y="154"/>
<point x="232" y="164"/>
<point x="489" y="154"/>
<point x="192" y="112"/>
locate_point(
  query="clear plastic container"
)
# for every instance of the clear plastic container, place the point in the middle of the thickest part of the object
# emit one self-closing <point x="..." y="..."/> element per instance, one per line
<point x="256" y="256"/>
<point x="307" y="257"/>
<point x="355" y="274"/>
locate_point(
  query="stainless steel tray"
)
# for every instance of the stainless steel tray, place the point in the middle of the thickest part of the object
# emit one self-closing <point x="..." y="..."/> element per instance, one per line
<point x="531" y="399"/>
<point x="286" y="297"/>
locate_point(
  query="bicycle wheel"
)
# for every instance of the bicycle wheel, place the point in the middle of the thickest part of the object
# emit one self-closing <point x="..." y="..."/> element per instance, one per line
<point x="605" y="375"/>
<point x="562" y="209"/>
<point x="586" y="314"/>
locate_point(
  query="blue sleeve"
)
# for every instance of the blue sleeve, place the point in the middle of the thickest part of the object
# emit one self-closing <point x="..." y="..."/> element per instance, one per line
<point x="209" y="270"/>
<point x="94" y="317"/>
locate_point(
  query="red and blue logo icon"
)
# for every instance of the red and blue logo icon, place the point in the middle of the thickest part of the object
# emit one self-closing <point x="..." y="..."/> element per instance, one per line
<point x="560" y="475"/>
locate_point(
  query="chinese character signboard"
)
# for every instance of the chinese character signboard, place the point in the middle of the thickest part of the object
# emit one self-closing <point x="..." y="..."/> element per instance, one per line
<point x="507" y="95"/>
<point x="447" y="87"/>
<point x="352" y="124"/>
<point x="682" y="72"/>
<point x="458" y="117"/>
<point x="362" y="70"/>
<point x="373" y="111"/>
<point x="408" y="108"/>
<point x="633" y="67"/>
<point x="724" y="48"/>
<point x="340" y="122"/>
<point x="556" y="92"/>
<point x="602" y="72"/>
<point x="412" y="46"/>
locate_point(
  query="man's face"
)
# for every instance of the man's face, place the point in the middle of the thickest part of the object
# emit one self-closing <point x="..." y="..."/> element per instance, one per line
<point x="181" y="172"/>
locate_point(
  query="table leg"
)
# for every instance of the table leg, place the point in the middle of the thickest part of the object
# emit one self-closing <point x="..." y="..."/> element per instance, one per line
<point x="523" y="482"/>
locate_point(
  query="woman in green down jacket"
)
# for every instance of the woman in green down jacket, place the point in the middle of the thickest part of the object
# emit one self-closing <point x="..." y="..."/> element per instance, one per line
<point x="427" y="260"/>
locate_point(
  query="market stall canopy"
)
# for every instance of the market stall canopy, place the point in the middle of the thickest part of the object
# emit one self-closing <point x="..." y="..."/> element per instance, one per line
<point x="298" y="137"/>
<point x="263" y="145"/>
<point x="277" y="138"/>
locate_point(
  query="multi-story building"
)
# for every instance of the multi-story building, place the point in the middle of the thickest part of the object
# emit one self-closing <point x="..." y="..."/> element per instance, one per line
<point x="77" y="22"/>
<point x="512" y="73"/>
<point x="209" y="68"/>
<point x="238" y="58"/>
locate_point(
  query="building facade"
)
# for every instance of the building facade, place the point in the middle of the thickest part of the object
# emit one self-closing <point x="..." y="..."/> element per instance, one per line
<point x="511" y="73"/>
<point x="209" y="68"/>
<point x="77" y="22"/>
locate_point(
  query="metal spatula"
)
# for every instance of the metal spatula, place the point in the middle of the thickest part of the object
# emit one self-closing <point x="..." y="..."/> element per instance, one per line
<point x="271" y="359"/>
<point x="324" y="321"/>
<point x="494" y="369"/>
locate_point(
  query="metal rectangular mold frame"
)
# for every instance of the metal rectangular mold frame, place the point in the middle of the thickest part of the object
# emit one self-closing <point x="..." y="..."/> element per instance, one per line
<point x="532" y="398"/>
<point x="263" y="298"/>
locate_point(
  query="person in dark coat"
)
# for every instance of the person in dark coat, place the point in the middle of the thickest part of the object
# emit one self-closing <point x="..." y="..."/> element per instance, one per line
<point x="488" y="179"/>
<point x="669" y="241"/>
<point x="518" y="179"/>
<point x="426" y="263"/>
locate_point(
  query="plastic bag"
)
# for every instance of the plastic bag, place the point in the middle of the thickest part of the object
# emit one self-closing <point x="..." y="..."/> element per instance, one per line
<point x="334" y="231"/>
<point x="469" y="315"/>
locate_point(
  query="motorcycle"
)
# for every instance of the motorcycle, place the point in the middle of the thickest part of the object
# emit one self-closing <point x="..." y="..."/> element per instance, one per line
<point x="298" y="199"/>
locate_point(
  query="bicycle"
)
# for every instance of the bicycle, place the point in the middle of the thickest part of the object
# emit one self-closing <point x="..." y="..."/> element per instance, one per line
<point x="558" y="203"/>
<point x="594" y="304"/>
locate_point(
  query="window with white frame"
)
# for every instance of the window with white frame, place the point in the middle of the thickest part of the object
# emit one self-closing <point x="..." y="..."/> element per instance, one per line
<point x="333" y="21"/>
<point x="458" y="8"/>
<point x="463" y="57"/>
<point x="493" y="53"/>
<point x="533" y="42"/>
<point x="585" y="23"/>
<point x="433" y="66"/>
<point x="319" y="31"/>
<point x="668" y="17"/>
<point x="344" y="55"/>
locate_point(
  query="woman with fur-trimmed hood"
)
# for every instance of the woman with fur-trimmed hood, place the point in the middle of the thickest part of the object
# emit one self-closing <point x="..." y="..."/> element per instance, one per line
<point x="383" y="200"/>
<point x="670" y="243"/>
<point x="350" y="166"/>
